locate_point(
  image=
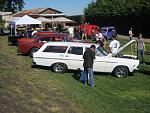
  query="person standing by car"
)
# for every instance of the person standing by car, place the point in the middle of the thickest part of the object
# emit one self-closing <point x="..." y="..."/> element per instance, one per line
<point x="130" y="34"/>
<point x="114" y="46"/>
<point x="71" y="31"/>
<point x="100" y="39"/>
<point x="89" y="56"/>
<point x="140" y="48"/>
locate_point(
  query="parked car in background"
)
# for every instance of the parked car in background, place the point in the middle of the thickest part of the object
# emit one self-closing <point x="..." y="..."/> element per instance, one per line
<point x="4" y="31"/>
<point x="108" y="32"/>
<point x="14" y="39"/>
<point x="30" y="45"/>
<point x="61" y="56"/>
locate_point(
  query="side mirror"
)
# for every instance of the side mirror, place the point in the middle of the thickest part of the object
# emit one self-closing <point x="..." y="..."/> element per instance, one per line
<point x="40" y="41"/>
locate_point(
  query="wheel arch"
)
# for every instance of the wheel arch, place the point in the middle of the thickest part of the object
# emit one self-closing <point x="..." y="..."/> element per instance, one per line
<point x="32" y="48"/>
<point x="122" y="74"/>
<point x="29" y="52"/>
<point x="59" y="62"/>
<point x="119" y="66"/>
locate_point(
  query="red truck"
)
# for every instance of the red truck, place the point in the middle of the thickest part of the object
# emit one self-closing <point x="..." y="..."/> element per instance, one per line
<point x="89" y="29"/>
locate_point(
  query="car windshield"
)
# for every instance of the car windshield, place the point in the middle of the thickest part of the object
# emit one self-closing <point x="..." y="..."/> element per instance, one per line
<point x="104" y="30"/>
<point x="34" y="36"/>
<point x="112" y="29"/>
<point x="101" y="52"/>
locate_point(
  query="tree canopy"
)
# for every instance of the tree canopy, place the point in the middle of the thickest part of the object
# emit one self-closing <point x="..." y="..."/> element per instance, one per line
<point x="118" y="8"/>
<point x="11" y="5"/>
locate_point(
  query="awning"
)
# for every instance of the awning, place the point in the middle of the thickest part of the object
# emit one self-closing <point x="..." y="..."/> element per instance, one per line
<point x="42" y="19"/>
<point x="62" y="20"/>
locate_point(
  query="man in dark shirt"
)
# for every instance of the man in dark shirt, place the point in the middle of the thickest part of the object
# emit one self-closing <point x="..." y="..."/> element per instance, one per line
<point x="89" y="56"/>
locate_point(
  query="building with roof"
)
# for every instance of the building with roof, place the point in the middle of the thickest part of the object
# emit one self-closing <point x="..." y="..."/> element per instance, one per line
<point x="48" y="16"/>
<point x="6" y="16"/>
<point x="40" y="12"/>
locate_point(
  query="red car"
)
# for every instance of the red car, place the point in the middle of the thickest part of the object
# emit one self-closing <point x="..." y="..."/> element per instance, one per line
<point x="31" y="45"/>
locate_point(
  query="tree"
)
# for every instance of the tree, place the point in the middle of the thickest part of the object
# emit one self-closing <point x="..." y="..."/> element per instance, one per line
<point x="1" y="22"/>
<point x="118" y="8"/>
<point x="11" y="5"/>
<point x="122" y="14"/>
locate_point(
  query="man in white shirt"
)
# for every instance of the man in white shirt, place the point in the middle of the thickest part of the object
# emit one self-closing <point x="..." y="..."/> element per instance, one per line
<point x="71" y="31"/>
<point x="130" y="34"/>
<point x="98" y="35"/>
<point x="114" y="46"/>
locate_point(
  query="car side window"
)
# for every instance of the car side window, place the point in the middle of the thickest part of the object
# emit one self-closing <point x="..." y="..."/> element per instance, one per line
<point x="56" y="38"/>
<point x="76" y="50"/>
<point x="56" y="49"/>
<point x="104" y="30"/>
<point x="109" y="30"/>
<point x="44" y="39"/>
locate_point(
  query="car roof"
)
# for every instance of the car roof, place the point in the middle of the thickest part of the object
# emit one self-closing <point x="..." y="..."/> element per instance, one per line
<point x="107" y="27"/>
<point x="77" y="44"/>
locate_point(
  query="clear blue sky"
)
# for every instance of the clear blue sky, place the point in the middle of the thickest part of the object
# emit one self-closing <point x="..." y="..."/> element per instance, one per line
<point x="69" y="7"/>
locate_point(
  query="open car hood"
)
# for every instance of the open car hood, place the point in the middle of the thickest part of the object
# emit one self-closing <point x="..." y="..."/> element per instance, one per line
<point x="126" y="45"/>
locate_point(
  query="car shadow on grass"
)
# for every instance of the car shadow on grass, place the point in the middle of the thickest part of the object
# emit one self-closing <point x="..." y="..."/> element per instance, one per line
<point x="40" y="67"/>
<point x="147" y="53"/>
<point x="76" y="74"/>
<point x="145" y="72"/>
<point x="147" y="63"/>
<point x="20" y="54"/>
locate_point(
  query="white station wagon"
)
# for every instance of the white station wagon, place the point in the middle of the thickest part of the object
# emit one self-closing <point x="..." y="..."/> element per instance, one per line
<point x="61" y="56"/>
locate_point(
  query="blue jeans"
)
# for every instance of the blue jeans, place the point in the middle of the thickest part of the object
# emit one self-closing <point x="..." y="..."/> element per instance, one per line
<point x="91" y="74"/>
<point x="140" y="53"/>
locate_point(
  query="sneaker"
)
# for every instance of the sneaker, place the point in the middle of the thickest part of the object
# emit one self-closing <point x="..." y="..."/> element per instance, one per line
<point x="92" y="86"/>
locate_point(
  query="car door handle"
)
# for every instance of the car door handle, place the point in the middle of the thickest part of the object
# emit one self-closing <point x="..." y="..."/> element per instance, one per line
<point x="67" y="55"/>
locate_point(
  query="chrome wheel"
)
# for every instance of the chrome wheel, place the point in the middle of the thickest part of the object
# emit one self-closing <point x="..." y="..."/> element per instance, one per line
<point x="121" y="71"/>
<point x="59" y="67"/>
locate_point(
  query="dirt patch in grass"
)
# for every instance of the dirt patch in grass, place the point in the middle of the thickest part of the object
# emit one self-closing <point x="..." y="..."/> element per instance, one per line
<point x="28" y="90"/>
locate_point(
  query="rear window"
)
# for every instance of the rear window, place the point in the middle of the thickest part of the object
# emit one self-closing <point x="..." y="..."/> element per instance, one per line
<point x="56" y="49"/>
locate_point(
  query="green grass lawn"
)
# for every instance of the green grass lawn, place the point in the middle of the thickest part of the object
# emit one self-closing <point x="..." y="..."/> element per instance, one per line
<point x="38" y="90"/>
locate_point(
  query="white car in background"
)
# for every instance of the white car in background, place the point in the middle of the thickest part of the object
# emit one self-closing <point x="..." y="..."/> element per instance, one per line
<point x="61" y="56"/>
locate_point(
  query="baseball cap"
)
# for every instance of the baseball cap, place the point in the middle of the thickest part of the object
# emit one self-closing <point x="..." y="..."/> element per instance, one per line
<point x="93" y="46"/>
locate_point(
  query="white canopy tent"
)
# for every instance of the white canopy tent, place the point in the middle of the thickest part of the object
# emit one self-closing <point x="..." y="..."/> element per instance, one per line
<point x="25" y="20"/>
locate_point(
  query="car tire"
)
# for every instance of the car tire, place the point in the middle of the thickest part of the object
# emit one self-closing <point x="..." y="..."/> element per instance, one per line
<point x="121" y="71"/>
<point x="33" y="50"/>
<point x="59" y="68"/>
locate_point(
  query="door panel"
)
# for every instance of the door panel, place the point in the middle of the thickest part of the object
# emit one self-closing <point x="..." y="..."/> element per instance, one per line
<point x="74" y="58"/>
